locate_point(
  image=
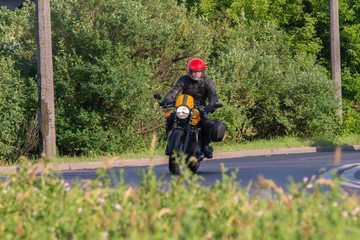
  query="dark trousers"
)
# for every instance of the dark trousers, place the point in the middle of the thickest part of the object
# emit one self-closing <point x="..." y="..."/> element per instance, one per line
<point x="205" y="125"/>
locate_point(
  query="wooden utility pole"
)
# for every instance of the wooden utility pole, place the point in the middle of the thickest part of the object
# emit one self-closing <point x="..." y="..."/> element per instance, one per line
<point x="46" y="109"/>
<point x="335" y="51"/>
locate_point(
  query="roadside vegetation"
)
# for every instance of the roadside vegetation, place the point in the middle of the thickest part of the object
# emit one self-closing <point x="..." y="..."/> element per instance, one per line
<point x="158" y="150"/>
<point x="269" y="60"/>
<point x="46" y="207"/>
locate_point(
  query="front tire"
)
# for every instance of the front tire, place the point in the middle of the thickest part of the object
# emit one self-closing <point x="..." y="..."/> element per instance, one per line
<point x="175" y="144"/>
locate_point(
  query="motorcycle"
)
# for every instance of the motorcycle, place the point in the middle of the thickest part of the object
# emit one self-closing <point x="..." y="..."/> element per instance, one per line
<point x="184" y="139"/>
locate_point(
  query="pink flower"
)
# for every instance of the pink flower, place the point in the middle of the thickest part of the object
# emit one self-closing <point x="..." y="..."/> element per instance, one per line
<point x="355" y="211"/>
<point x="260" y="213"/>
<point x="105" y="235"/>
<point x="345" y="214"/>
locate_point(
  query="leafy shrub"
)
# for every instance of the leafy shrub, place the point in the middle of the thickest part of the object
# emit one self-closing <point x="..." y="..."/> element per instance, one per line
<point x="351" y="118"/>
<point x="277" y="93"/>
<point x="110" y="56"/>
<point x="108" y="63"/>
<point x="18" y="131"/>
<point x="18" y="135"/>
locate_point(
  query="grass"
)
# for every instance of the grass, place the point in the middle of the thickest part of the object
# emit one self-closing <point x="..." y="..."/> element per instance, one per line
<point x="280" y="142"/>
<point x="46" y="207"/>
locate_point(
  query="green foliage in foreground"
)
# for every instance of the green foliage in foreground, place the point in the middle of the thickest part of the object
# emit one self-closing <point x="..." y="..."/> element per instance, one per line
<point x="46" y="207"/>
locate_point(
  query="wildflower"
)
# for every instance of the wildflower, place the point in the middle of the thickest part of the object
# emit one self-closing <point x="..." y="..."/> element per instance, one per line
<point x="200" y="204"/>
<point x="53" y="235"/>
<point x="101" y="200"/>
<point x="345" y="214"/>
<point x="80" y="209"/>
<point x="4" y="191"/>
<point x="310" y="185"/>
<point x="66" y="185"/>
<point x="236" y="199"/>
<point x="105" y="235"/>
<point x="355" y="211"/>
<point x="209" y="235"/>
<point x="305" y="179"/>
<point x="260" y="213"/>
<point x="117" y="206"/>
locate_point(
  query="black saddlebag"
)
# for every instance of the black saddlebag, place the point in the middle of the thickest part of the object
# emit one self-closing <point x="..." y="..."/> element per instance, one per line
<point x="218" y="131"/>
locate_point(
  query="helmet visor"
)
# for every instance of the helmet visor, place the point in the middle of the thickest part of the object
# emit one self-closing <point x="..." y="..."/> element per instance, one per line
<point x="196" y="74"/>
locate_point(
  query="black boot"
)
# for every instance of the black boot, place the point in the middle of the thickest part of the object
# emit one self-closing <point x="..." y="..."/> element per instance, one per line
<point x="208" y="150"/>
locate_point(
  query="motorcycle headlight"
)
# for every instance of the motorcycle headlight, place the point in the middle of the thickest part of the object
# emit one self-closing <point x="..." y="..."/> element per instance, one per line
<point x="182" y="112"/>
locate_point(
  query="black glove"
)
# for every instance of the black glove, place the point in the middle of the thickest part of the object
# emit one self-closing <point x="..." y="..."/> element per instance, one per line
<point x="210" y="108"/>
<point x="164" y="103"/>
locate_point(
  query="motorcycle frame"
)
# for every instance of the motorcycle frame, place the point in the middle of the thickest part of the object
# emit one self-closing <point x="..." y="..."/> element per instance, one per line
<point x="187" y="130"/>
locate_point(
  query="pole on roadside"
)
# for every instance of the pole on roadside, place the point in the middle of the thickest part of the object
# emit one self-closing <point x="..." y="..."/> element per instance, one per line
<point x="335" y="51"/>
<point x="46" y="108"/>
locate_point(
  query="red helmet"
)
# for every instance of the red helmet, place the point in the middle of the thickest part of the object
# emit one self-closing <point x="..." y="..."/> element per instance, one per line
<point x="196" y="69"/>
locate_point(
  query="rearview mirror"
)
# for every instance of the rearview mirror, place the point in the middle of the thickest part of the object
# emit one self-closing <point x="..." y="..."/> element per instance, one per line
<point x="157" y="96"/>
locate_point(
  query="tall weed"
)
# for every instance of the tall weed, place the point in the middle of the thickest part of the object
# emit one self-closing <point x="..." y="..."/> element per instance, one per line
<point x="46" y="207"/>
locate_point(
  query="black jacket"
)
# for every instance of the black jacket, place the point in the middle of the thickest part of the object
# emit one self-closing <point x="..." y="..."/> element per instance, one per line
<point x="199" y="90"/>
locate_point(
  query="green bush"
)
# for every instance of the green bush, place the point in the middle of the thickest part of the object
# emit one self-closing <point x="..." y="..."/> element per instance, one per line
<point x="110" y="57"/>
<point x="18" y="134"/>
<point x="306" y="23"/>
<point x="18" y="96"/>
<point x="277" y="93"/>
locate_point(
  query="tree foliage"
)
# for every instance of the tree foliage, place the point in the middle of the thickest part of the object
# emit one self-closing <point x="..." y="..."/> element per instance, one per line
<point x="268" y="91"/>
<point x="111" y="56"/>
<point x="306" y="23"/>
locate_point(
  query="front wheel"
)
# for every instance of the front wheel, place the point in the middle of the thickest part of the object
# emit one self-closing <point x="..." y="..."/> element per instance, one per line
<point x="175" y="144"/>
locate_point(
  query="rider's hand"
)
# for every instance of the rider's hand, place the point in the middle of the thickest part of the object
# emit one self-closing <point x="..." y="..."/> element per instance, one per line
<point x="210" y="108"/>
<point x="164" y="103"/>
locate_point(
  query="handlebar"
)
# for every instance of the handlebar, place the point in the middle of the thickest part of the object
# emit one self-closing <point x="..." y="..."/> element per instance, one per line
<point x="168" y="105"/>
<point x="172" y="104"/>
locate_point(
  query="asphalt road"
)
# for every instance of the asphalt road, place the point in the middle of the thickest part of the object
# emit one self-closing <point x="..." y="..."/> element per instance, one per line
<point x="279" y="168"/>
<point x="277" y="164"/>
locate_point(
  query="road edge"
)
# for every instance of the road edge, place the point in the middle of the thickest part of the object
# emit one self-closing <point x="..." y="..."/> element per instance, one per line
<point x="164" y="160"/>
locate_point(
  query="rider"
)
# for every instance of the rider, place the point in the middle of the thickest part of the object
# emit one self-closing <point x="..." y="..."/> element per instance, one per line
<point x="200" y="87"/>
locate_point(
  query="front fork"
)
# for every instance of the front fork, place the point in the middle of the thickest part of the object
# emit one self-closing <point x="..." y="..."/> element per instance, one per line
<point x="187" y="130"/>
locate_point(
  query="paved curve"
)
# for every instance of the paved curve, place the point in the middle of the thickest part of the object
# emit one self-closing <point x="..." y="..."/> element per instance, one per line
<point x="277" y="164"/>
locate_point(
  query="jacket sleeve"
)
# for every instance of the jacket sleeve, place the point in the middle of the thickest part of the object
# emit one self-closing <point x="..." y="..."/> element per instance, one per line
<point x="176" y="89"/>
<point x="211" y="91"/>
